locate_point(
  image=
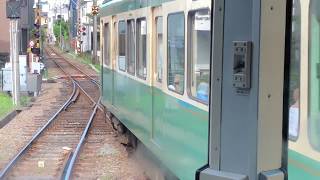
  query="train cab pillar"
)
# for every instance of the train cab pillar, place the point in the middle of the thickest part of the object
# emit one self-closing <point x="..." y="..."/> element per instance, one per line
<point x="247" y="82"/>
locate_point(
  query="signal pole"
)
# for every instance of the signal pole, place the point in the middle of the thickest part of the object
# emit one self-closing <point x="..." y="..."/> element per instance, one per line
<point x="94" y="55"/>
<point x="13" y="13"/>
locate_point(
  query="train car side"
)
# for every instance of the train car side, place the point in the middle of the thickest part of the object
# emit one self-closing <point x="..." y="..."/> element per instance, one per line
<point x="172" y="125"/>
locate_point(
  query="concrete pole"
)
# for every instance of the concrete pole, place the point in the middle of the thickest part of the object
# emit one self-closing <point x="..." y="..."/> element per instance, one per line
<point x="14" y="59"/>
<point x="78" y="26"/>
<point x="60" y="28"/>
<point x="95" y="26"/>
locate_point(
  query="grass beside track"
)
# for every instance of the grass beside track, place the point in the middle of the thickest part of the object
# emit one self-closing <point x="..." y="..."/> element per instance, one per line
<point x="6" y="104"/>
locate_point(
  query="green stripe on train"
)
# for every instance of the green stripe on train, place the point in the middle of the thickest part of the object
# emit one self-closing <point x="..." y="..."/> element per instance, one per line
<point x="119" y="6"/>
<point x="302" y="167"/>
<point x="175" y="131"/>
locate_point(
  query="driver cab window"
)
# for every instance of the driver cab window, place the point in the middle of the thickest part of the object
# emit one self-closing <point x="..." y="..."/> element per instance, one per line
<point x="294" y="91"/>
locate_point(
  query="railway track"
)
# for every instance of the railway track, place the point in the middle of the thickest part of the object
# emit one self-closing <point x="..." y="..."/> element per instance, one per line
<point x="52" y="152"/>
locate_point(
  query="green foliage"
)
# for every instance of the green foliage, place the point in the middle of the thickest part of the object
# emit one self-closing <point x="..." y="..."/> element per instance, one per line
<point x="6" y="104"/>
<point x="64" y="29"/>
<point x="25" y="100"/>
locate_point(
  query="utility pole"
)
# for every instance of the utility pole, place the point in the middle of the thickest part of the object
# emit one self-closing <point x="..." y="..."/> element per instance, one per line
<point x="60" y="28"/>
<point x="13" y="13"/>
<point x="79" y="25"/>
<point x="94" y="13"/>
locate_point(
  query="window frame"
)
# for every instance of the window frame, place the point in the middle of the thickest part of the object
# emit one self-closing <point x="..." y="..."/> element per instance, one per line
<point x="118" y="44"/>
<point x="137" y="49"/>
<point x="127" y="47"/>
<point x="184" y="51"/>
<point x="190" y="55"/>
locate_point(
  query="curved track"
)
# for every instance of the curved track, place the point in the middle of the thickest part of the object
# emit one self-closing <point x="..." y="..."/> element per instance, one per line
<point x="52" y="151"/>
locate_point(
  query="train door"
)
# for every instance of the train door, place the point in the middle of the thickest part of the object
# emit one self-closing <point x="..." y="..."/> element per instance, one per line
<point x="107" y="61"/>
<point x="158" y="67"/>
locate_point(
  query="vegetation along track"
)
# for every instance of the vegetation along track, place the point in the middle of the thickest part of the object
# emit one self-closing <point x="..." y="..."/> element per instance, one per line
<point x="53" y="150"/>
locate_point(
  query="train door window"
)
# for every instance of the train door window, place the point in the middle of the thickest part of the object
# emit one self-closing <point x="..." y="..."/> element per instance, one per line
<point x="106" y="44"/>
<point x="131" y="47"/>
<point x="159" y="49"/>
<point x="314" y="75"/>
<point x="176" y="50"/>
<point x="294" y="84"/>
<point x="122" y="31"/>
<point x="199" y="55"/>
<point x="142" y="48"/>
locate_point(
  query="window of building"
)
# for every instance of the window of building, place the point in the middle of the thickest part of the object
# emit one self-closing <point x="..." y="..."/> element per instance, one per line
<point x="159" y="49"/>
<point x="142" y="48"/>
<point x="314" y="75"/>
<point x="122" y="31"/>
<point x="176" y="50"/>
<point x="199" y="55"/>
<point x="106" y="44"/>
<point x="131" y="47"/>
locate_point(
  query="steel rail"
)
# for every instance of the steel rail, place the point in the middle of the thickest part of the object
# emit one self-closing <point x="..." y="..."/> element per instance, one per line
<point x="8" y="167"/>
<point x="77" y="82"/>
<point x="67" y="172"/>
<point x="76" y="67"/>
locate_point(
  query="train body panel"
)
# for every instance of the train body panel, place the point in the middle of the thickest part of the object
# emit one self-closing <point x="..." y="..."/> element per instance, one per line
<point x="302" y="167"/>
<point x="175" y="131"/>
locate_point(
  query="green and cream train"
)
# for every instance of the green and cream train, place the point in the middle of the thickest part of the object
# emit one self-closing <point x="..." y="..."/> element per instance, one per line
<point x="157" y="56"/>
<point x="162" y="101"/>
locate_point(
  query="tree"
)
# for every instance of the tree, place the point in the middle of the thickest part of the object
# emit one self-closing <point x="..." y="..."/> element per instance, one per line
<point x="64" y="29"/>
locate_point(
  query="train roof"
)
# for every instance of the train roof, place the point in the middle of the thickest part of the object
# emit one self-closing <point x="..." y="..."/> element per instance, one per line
<point x="111" y="7"/>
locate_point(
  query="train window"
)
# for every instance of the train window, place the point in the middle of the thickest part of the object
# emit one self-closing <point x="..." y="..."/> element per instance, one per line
<point x="142" y="48"/>
<point x="199" y="55"/>
<point x="176" y="50"/>
<point x="122" y="31"/>
<point x="159" y="48"/>
<point x="106" y="44"/>
<point x="294" y="92"/>
<point x="314" y="75"/>
<point x="131" y="47"/>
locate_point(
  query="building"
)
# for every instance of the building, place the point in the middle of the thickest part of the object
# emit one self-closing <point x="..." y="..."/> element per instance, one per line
<point x="25" y="26"/>
<point x="85" y="20"/>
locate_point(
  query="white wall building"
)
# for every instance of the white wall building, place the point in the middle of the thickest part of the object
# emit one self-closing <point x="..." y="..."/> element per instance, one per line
<point x="87" y="22"/>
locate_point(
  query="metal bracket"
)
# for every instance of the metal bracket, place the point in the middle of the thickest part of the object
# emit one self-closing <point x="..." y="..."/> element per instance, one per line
<point x="272" y="175"/>
<point x="209" y="174"/>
